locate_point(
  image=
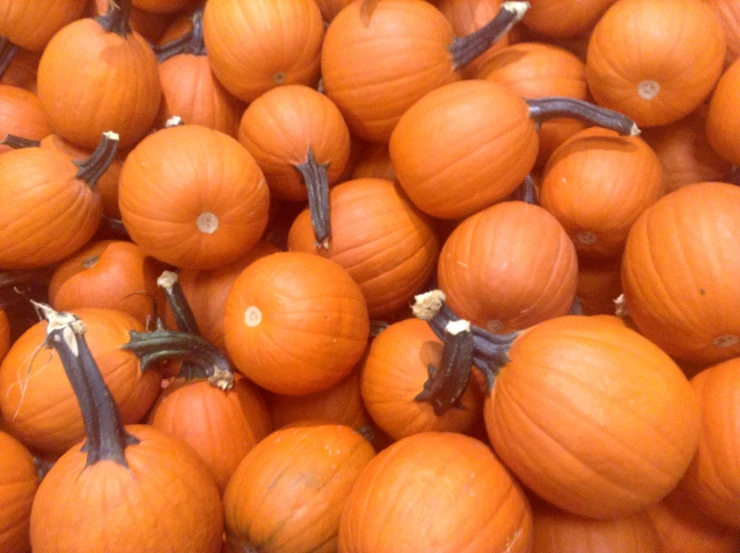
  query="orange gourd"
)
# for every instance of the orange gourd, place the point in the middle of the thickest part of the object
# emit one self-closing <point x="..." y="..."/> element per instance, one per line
<point x="256" y="45"/>
<point x="295" y="323"/>
<point x="18" y="484"/>
<point x="728" y="12"/>
<point x="683" y="296"/>
<point x="599" y="285"/>
<point x="597" y="184"/>
<point x="562" y="18"/>
<point x="679" y="532"/>
<point x="385" y="244"/>
<point x="193" y="197"/>
<point x="21" y="115"/>
<point x="374" y="162"/>
<point x="723" y="130"/>
<point x="655" y="60"/>
<point x="30" y="24"/>
<point x="436" y="491"/>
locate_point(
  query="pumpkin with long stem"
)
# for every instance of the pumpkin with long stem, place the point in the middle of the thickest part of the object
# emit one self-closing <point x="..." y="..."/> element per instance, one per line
<point x="30" y="24"/>
<point x="21" y="114"/>
<point x="165" y="499"/>
<point x="18" y="484"/>
<point x="453" y="170"/>
<point x="410" y="49"/>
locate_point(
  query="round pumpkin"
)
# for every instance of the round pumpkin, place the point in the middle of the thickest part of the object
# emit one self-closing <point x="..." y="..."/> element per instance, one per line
<point x="683" y="533"/>
<point x="723" y="130"/>
<point x="18" y="484"/>
<point x="163" y="6"/>
<point x="30" y="24"/>
<point x="561" y="18"/>
<point x="374" y="162"/>
<point x="599" y="285"/>
<point x="21" y="114"/>
<point x="728" y="12"/>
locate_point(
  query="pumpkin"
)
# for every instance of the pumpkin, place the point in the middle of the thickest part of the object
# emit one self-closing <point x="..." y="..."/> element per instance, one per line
<point x="193" y="197"/>
<point x="150" y="25"/>
<point x="729" y="15"/>
<point x="19" y="67"/>
<point x="189" y="87"/>
<point x="409" y="49"/>
<point x="99" y="58"/>
<point x="436" y="491"/>
<point x="301" y="143"/>
<point x="109" y="274"/>
<point x="682" y="533"/>
<point x="684" y="296"/>
<point x="373" y="162"/>
<point x="508" y="267"/>
<point x="18" y="484"/>
<point x="256" y="45"/>
<point x="4" y="334"/>
<point x="453" y="170"/>
<point x="655" y="60"/>
<point x="385" y="244"/>
<point x="52" y="208"/>
<point x="164" y="497"/>
<point x="178" y="28"/>
<point x="30" y="24"/>
<point x="21" y="115"/>
<point x="287" y="494"/>
<point x="561" y="18"/>
<point x="295" y="323"/>
<point x="722" y="129"/>
<point x="164" y="6"/>
<point x="37" y="401"/>
<point x="599" y="285"/>
<point x="616" y="179"/>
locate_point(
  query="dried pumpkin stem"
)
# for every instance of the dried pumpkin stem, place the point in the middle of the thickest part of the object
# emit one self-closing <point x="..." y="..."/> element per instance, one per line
<point x="526" y="192"/>
<point x="553" y="107"/>
<point x="465" y="49"/>
<point x="116" y="19"/>
<point x="191" y="43"/>
<point x="317" y="183"/>
<point x="169" y="281"/>
<point x="97" y="164"/>
<point x="18" y="142"/>
<point x="8" y="50"/>
<point x="204" y="360"/>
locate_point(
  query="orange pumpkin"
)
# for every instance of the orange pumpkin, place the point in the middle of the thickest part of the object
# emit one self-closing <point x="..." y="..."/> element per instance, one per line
<point x="164" y="6"/>
<point x="148" y="24"/>
<point x="374" y="162"/>
<point x="257" y="45"/>
<point x="562" y="18"/>
<point x="655" y="60"/>
<point x="193" y="197"/>
<point x="21" y="115"/>
<point x="684" y="296"/>
<point x="481" y="508"/>
<point x="728" y="12"/>
<point x="682" y="533"/>
<point x="599" y="285"/>
<point x="723" y="130"/>
<point x="18" y="484"/>
<point x="30" y="24"/>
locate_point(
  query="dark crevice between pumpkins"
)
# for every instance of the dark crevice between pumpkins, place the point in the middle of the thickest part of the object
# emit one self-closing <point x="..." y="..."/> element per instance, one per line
<point x="111" y="228"/>
<point x="316" y="178"/>
<point x="555" y="107"/>
<point x="99" y="161"/>
<point x="116" y="19"/>
<point x="191" y="43"/>
<point x="466" y="49"/>
<point x="526" y="192"/>
<point x="8" y="50"/>
<point x="17" y="287"/>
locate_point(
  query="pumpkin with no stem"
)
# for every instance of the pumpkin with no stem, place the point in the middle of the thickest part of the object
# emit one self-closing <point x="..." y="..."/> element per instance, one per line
<point x="508" y="267"/>
<point x="436" y="491"/>
<point x="4" y="333"/>
<point x="256" y="45"/>
<point x="597" y="184"/>
<point x="94" y="59"/>
<point x="374" y="162"/>
<point x="295" y="323"/>
<point x="592" y="417"/>
<point x="655" y="61"/>
<point x="21" y="115"/>
<point x="30" y="24"/>
<point x="728" y="12"/>
<point x="193" y="197"/>
<point x="385" y="244"/>
<point x="723" y="129"/>
<point x="684" y="295"/>
<point x="288" y="493"/>
<point x="563" y="18"/>
<point x="18" y="484"/>
<point x="680" y="532"/>
<point x="599" y="285"/>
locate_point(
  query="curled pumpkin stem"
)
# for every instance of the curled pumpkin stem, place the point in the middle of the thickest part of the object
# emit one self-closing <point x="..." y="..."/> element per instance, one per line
<point x="18" y="142"/>
<point x="527" y="192"/>
<point x="98" y="163"/>
<point x="317" y="183"/>
<point x="465" y="49"/>
<point x="191" y="43"/>
<point x="169" y="281"/>
<point x="554" y="107"/>
<point x="116" y="19"/>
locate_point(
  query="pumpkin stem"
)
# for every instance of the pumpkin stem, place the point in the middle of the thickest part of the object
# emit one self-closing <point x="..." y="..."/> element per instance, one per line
<point x="553" y="107"/>
<point x="317" y="182"/>
<point x="97" y="164"/>
<point x="466" y="49"/>
<point x="169" y="281"/>
<point x="191" y="43"/>
<point x="18" y="142"/>
<point x="204" y="360"/>
<point x="116" y="19"/>
<point x="8" y="50"/>
<point x="527" y="192"/>
<point x="446" y="383"/>
<point x="107" y="438"/>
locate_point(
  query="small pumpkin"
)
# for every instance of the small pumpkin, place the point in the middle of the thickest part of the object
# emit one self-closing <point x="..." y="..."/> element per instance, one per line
<point x="30" y="24"/>
<point x="723" y="130"/>
<point x="374" y="162"/>
<point x="561" y="18"/>
<point x="729" y="15"/>
<point x="599" y="285"/>
<point x="164" y="6"/>
<point x="18" y="484"/>
<point x="21" y="114"/>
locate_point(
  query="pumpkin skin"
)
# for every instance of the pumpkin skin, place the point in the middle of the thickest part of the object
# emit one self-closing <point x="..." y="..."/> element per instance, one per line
<point x="163" y="6"/>
<point x="22" y="71"/>
<point x="679" y="533"/>
<point x="109" y="274"/>
<point x="508" y="267"/>
<point x="389" y="507"/>
<point x="722" y="128"/>
<point x="385" y="244"/>
<point x="616" y="178"/>
<point x="30" y="24"/>
<point x="4" y="334"/>
<point x="684" y="297"/>
<point x="84" y="63"/>
<point x="655" y="61"/>
<point x="287" y="494"/>
<point x="256" y="45"/>
<point x="374" y="162"/>
<point x="472" y="164"/>
<point x="193" y="197"/>
<point x="21" y="115"/>
<point x="599" y="285"/>
<point x="39" y="407"/>
<point x="18" y="484"/>
<point x="394" y="373"/>
<point x="286" y="333"/>
<point x="561" y="18"/>
<point x="728" y="13"/>
<point x="592" y="417"/>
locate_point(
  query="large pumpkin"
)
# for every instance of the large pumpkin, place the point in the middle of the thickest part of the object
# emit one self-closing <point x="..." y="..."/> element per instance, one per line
<point x="18" y="484"/>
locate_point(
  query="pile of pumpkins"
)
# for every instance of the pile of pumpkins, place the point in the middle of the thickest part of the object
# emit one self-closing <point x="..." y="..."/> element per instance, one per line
<point x="370" y="276"/>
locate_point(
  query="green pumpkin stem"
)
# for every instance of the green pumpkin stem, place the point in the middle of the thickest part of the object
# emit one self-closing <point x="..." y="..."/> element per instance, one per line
<point x="97" y="164"/>
<point x="554" y="107"/>
<point x="465" y="49"/>
<point x="317" y="183"/>
<point x="8" y="50"/>
<point x="169" y="281"/>
<point x="527" y="192"/>
<point x="116" y="19"/>
<point x="191" y="43"/>
<point x="204" y="360"/>
<point x="18" y="142"/>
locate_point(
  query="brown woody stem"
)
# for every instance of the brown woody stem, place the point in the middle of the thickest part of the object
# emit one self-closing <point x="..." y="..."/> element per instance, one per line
<point x="8" y="50"/>
<point x="554" y="107"/>
<point x="526" y="192"/>
<point x="18" y="142"/>
<point x="169" y="281"/>
<point x="317" y="183"/>
<point x="97" y="164"/>
<point x="466" y="49"/>
<point x="116" y="19"/>
<point x="204" y="360"/>
<point x="191" y="43"/>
